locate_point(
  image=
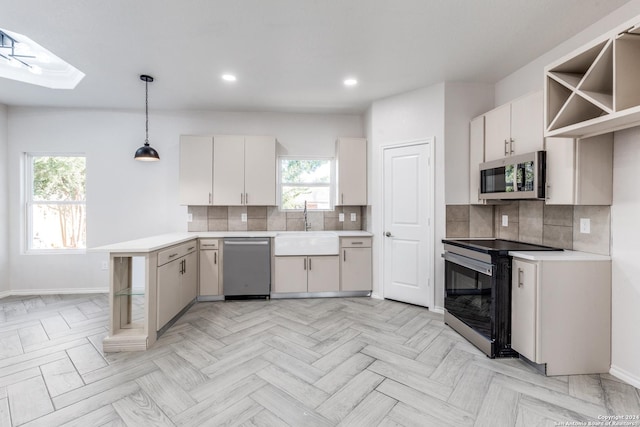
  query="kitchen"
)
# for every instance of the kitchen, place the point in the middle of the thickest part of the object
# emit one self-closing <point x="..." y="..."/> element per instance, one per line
<point x="149" y="206"/>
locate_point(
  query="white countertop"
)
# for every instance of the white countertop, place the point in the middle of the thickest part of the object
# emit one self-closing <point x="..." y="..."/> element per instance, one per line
<point x="154" y="243"/>
<point x="559" y="256"/>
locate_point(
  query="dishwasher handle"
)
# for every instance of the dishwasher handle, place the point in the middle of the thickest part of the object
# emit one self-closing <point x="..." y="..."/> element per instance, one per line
<point x="246" y="243"/>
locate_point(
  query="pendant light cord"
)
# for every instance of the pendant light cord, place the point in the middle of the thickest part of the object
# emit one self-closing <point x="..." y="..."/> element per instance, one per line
<point x="146" y="112"/>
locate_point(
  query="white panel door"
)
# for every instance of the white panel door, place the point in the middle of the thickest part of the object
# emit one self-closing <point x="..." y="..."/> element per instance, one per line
<point x="260" y="170"/>
<point x="228" y="170"/>
<point x="407" y="243"/>
<point x="196" y="170"/>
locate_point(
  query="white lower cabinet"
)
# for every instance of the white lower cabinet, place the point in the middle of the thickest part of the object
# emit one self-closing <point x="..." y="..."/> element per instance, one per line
<point x="177" y="281"/>
<point x="561" y="314"/>
<point x="209" y="268"/>
<point x="301" y="274"/>
<point x="355" y="264"/>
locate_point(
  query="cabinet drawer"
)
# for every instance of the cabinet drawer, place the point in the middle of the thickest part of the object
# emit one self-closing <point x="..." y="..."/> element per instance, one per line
<point x="355" y="242"/>
<point x="209" y="244"/>
<point x="176" y="252"/>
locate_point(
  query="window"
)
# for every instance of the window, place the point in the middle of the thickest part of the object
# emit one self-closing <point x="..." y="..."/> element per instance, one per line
<point x="56" y="202"/>
<point x="306" y="180"/>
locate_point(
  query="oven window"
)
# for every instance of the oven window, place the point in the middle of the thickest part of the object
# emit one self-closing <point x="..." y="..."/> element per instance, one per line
<point x="468" y="297"/>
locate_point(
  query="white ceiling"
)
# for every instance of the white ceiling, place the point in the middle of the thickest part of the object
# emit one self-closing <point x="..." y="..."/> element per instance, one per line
<point x="289" y="55"/>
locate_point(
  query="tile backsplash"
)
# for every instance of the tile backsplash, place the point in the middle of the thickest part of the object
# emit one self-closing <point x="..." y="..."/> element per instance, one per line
<point x="534" y="222"/>
<point x="270" y="218"/>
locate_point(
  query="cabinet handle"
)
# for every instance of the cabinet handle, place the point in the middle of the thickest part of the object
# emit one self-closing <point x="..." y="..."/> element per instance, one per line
<point x="357" y="243"/>
<point x="520" y="282"/>
<point x="191" y="248"/>
<point x="215" y="257"/>
<point x="305" y="263"/>
<point x="344" y="255"/>
<point x="209" y="198"/>
<point x="309" y="264"/>
<point x="506" y="150"/>
<point x="208" y="244"/>
<point x="342" y="198"/>
<point x="511" y="141"/>
<point x="173" y="255"/>
<point x="548" y="195"/>
<point x="246" y="198"/>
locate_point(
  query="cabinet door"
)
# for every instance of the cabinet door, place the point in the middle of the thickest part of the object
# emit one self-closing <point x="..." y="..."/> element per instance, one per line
<point x="560" y="171"/>
<point x="228" y="170"/>
<point x="355" y="271"/>
<point x="189" y="280"/>
<point x="351" y="158"/>
<point x="497" y="132"/>
<point x="323" y="273"/>
<point x="209" y="273"/>
<point x="196" y="170"/>
<point x="260" y="170"/>
<point x="290" y="274"/>
<point x="476" y="156"/>
<point x="523" y="308"/>
<point x="168" y="297"/>
<point x="527" y="125"/>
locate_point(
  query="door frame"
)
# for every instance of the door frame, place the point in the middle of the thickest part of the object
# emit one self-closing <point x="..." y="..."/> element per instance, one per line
<point x="431" y="142"/>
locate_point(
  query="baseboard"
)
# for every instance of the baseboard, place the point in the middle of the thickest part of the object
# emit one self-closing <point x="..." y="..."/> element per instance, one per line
<point x="65" y="291"/>
<point x="625" y="376"/>
<point x="376" y="296"/>
<point x="436" y="309"/>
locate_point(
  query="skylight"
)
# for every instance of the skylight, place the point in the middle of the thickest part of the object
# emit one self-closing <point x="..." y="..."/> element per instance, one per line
<point x="26" y="61"/>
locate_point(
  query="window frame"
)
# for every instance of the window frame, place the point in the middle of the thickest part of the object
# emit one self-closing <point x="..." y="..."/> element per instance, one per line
<point x="331" y="184"/>
<point x="29" y="203"/>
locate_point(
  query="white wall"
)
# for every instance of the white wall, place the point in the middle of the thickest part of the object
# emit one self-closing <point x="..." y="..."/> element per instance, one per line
<point x="407" y="117"/>
<point x="624" y="211"/>
<point x="463" y="101"/>
<point x="625" y="252"/>
<point x="127" y="199"/>
<point x="4" y="200"/>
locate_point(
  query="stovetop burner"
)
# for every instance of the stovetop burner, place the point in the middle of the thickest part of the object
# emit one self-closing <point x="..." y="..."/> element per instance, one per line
<point x="497" y="245"/>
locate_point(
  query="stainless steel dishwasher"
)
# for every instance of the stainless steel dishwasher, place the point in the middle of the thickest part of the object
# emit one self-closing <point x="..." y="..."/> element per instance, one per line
<point x="246" y="267"/>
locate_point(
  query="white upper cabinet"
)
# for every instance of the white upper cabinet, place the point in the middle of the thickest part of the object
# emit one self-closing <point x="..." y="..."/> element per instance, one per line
<point x="196" y="170"/>
<point x="351" y="168"/>
<point x="580" y="171"/>
<point x="476" y="156"/>
<point x="260" y="170"/>
<point x="514" y="128"/>
<point x="244" y="170"/>
<point x="228" y="170"/>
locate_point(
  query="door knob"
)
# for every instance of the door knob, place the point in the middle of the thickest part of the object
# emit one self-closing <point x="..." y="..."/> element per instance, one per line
<point x="388" y="234"/>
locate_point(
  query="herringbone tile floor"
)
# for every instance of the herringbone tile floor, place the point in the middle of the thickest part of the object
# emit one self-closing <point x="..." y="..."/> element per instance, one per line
<point x="351" y="361"/>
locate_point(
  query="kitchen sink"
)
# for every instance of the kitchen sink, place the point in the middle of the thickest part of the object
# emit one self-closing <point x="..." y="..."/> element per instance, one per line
<point x="306" y="243"/>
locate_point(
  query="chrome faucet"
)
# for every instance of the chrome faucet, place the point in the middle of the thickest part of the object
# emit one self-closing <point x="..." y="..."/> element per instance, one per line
<point x="306" y="222"/>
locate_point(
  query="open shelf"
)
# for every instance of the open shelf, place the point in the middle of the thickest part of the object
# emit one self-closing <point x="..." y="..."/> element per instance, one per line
<point x="596" y="85"/>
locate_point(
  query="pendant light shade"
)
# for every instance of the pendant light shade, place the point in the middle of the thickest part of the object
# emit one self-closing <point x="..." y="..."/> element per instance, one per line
<point x="146" y="153"/>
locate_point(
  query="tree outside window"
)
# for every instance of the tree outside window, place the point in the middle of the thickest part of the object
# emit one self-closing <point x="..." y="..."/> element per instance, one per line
<point x="56" y="202"/>
<point x="305" y="180"/>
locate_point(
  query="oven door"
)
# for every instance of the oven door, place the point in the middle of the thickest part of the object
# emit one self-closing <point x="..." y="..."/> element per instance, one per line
<point x="468" y="294"/>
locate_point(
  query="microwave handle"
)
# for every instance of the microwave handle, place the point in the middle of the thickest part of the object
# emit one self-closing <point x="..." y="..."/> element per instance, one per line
<point x="472" y="264"/>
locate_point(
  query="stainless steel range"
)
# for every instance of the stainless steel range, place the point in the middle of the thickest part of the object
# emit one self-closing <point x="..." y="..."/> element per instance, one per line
<point x="478" y="291"/>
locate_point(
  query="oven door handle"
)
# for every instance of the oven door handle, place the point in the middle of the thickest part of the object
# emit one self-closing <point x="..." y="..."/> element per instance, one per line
<point x="479" y="266"/>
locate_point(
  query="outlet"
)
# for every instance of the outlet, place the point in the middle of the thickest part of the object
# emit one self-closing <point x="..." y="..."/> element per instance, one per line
<point x="585" y="225"/>
<point x="190" y="217"/>
<point x="105" y="265"/>
<point x="353" y="217"/>
<point x="341" y="217"/>
<point x="243" y="217"/>
<point x="505" y="220"/>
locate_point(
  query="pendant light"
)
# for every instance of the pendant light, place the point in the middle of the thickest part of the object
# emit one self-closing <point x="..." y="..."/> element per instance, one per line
<point x="146" y="153"/>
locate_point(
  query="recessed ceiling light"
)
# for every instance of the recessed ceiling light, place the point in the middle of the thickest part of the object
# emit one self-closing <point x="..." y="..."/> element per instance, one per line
<point x="229" y="78"/>
<point x="350" y="82"/>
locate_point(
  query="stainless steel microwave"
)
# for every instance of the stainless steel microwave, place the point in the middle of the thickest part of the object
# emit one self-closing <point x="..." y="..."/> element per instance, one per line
<point x="514" y="177"/>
